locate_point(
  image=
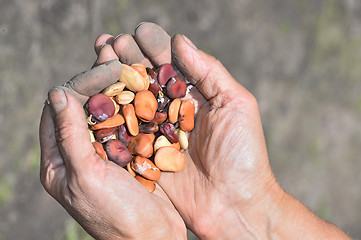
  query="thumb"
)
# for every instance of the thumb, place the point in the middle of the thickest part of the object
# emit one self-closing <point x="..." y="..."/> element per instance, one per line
<point x="71" y="131"/>
<point x="204" y="71"/>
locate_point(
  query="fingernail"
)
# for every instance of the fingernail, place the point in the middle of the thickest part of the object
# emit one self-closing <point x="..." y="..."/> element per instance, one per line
<point x="119" y="35"/>
<point x="57" y="99"/>
<point x="103" y="45"/>
<point x="190" y="43"/>
<point x="139" y="24"/>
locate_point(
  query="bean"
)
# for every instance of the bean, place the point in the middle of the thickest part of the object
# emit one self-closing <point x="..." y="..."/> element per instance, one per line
<point x="154" y="85"/>
<point x="148" y="184"/>
<point x="124" y="97"/>
<point x="145" y="168"/>
<point x="173" y="110"/>
<point x="130" y="119"/>
<point x="100" y="150"/>
<point x="100" y="107"/>
<point x="183" y="139"/>
<point x="168" y="130"/>
<point x="114" y="89"/>
<point x="162" y="141"/>
<point x="186" y="115"/>
<point x="145" y="105"/>
<point x="114" y="121"/>
<point x="141" y="145"/>
<point x="176" y="87"/>
<point x="169" y="159"/>
<point x="118" y="152"/>
<point x="166" y="72"/>
<point x="140" y="68"/>
<point x="132" y="79"/>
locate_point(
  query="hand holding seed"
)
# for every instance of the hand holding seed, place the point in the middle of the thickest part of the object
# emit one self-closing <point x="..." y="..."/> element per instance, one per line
<point x="225" y="191"/>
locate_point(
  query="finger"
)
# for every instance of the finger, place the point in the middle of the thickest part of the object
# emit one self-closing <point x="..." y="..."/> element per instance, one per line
<point x="101" y="41"/>
<point x="204" y="71"/>
<point x="95" y="80"/>
<point x="128" y="51"/>
<point x="154" y="42"/>
<point x="106" y="54"/>
<point x="52" y="170"/>
<point x="71" y="131"/>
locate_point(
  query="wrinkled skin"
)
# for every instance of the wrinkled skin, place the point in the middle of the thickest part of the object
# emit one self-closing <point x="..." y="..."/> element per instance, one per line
<point x="227" y="186"/>
<point x="103" y="197"/>
<point x="227" y="163"/>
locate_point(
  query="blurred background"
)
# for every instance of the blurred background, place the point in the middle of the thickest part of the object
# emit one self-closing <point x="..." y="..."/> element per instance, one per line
<point x="301" y="59"/>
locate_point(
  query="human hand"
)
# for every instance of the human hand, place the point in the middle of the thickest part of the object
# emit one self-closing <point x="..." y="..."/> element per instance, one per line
<point x="227" y="170"/>
<point x="227" y="189"/>
<point x="101" y="196"/>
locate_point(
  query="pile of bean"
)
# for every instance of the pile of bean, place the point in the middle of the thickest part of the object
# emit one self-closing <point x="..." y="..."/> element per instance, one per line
<point x="141" y="122"/>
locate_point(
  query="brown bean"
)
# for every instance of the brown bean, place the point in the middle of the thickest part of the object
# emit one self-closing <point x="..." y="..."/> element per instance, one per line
<point x="100" y="107"/>
<point x="186" y="115"/>
<point x="168" y="130"/>
<point x="160" y="117"/>
<point x="130" y="119"/>
<point x="105" y="134"/>
<point x="173" y="110"/>
<point x="169" y="159"/>
<point x="118" y="152"/>
<point x="176" y="87"/>
<point x="150" y="127"/>
<point x="145" y="168"/>
<point x="154" y="85"/>
<point x="123" y="135"/>
<point x="148" y="184"/>
<point x="141" y="145"/>
<point x="163" y="102"/>
<point x="166" y="72"/>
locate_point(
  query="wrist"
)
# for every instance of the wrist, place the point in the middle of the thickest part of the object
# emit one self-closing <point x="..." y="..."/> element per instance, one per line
<point x="251" y="216"/>
<point x="294" y="220"/>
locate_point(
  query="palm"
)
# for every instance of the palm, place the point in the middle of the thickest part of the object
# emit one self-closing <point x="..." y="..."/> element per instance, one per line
<point x="223" y="144"/>
<point x="219" y="156"/>
<point x="100" y="195"/>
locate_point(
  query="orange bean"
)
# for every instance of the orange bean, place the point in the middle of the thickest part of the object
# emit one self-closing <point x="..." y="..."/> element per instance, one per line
<point x="176" y="145"/>
<point x="148" y="184"/>
<point x="141" y="145"/>
<point x="186" y="115"/>
<point x="130" y="119"/>
<point x="145" y="105"/>
<point x="169" y="159"/>
<point x="173" y="110"/>
<point x="130" y="170"/>
<point x="100" y="150"/>
<point x="114" y="121"/>
<point x="145" y="168"/>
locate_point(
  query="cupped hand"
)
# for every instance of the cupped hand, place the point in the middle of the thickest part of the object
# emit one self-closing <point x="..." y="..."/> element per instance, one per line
<point x="227" y="185"/>
<point x="100" y="195"/>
